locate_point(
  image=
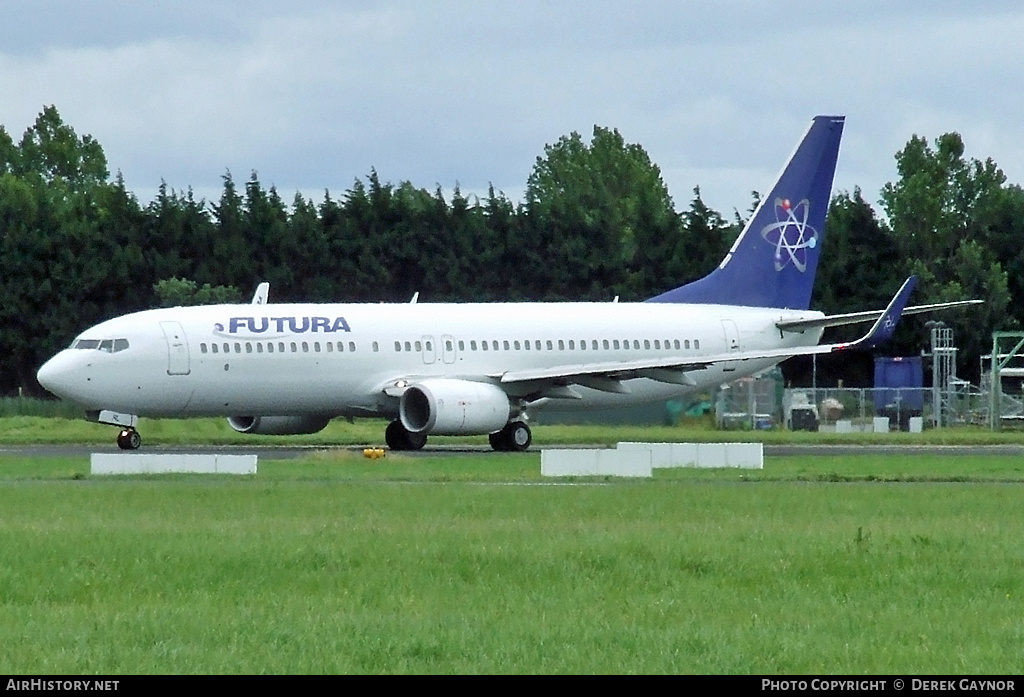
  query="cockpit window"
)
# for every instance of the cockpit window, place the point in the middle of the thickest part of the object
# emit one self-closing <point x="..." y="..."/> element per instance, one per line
<point x="105" y="345"/>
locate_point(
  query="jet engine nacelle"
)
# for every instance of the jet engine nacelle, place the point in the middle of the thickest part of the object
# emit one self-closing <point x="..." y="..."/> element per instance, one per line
<point x="454" y="407"/>
<point x="278" y="425"/>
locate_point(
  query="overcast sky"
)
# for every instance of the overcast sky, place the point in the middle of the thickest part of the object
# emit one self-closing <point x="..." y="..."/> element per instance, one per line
<point x="312" y="95"/>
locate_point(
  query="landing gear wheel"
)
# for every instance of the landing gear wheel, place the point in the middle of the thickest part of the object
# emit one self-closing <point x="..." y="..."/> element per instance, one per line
<point x="416" y="441"/>
<point x="519" y="436"/>
<point x="498" y="440"/>
<point x="514" y="437"/>
<point x="129" y="439"/>
<point x="399" y="438"/>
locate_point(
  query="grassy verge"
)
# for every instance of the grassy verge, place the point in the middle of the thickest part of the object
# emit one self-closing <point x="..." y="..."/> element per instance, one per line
<point x="343" y="466"/>
<point x="462" y="564"/>
<point x="211" y="431"/>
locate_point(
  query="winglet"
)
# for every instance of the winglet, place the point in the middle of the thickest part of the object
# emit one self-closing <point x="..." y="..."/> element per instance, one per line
<point x="261" y="294"/>
<point x="885" y="325"/>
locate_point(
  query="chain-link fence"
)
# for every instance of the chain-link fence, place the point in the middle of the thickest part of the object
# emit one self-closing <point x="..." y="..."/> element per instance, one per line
<point x="752" y="404"/>
<point x="749" y="403"/>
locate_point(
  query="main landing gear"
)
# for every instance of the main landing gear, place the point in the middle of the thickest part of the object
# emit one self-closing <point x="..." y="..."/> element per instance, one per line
<point x="399" y="438"/>
<point x="515" y="437"/>
<point x="129" y="439"/>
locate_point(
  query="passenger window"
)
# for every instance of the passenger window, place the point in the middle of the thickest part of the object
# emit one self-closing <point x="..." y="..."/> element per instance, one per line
<point x="696" y="343"/>
<point x="419" y="346"/>
<point x="615" y="343"/>
<point x="259" y="348"/>
<point x="550" y="345"/>
<point x="214" y="347"/>
<point x="248" y="348"/>
<point x="505" y="344"/>
<point x="604" y="343"/>
<point x="295" y="348"/>
<point x="515" y="345"/>
<point x="202" y="348"/>
<point x="472" y="345"/>
<point x="408" y="346"/>
<point x="238" y="348"/>
<point x="270" y="347"/>
<point x="494" y="344"/>
<point x="657" y="343"/>
<point x="330" y="347"/>
<point x="341" y="346"/>
<point x="483" y="345"/>
<point x="351" y="346"/>
<point x="636" y="344"/>
<point x="647" y="344"/>
<point x="536" y="344"/>
<point x="561" y="345"/>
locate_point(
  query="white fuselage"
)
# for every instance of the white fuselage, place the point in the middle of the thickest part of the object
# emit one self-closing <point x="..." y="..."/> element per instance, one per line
<point x="338" y="359"/>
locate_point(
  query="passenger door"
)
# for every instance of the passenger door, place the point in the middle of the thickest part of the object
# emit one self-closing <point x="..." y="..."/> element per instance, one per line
<point x="177" y="348"/>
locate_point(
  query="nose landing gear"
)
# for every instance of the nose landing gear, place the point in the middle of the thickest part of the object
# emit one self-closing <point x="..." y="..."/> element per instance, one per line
<point x="129" y="439"/>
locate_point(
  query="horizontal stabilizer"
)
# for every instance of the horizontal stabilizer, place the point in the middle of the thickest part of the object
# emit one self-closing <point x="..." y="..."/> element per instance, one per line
<point x="800" y="325"/>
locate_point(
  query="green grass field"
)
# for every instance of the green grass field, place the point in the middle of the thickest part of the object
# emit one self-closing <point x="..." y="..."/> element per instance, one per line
<point x="471" y="564"/>
<point x="35" y="428"/>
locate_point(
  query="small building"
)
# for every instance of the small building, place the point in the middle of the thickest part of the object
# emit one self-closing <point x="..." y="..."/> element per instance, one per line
<point x="899" y="389"/>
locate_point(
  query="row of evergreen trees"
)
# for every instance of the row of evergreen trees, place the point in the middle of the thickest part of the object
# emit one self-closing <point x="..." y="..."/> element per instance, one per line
<point x="596" y="221"/>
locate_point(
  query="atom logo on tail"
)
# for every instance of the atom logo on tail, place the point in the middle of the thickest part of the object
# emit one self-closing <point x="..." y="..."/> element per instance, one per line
<point x="791" y="234"/>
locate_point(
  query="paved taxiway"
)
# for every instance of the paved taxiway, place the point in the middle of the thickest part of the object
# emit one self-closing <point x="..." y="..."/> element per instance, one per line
<point x="289" y="452"/>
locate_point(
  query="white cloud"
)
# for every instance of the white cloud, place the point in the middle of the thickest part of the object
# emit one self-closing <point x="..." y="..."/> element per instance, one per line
<point x="314" y="95"/>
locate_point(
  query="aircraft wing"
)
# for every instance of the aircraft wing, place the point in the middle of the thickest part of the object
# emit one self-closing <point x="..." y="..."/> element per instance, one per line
<point x="607" y="376"/>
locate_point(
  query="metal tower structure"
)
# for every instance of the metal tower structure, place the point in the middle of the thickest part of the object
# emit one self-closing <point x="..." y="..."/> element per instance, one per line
<point x="1005" y="364"/>
<point x="943" y="373"/>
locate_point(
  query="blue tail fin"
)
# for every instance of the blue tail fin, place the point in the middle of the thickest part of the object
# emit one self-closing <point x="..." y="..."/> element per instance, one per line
<point x="773" y="261"/>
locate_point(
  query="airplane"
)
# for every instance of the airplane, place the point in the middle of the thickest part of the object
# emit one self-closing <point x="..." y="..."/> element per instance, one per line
<point x="478" y="368"/>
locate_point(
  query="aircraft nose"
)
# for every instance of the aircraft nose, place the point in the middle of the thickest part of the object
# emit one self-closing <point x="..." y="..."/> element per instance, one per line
<point x="61" y="375"/>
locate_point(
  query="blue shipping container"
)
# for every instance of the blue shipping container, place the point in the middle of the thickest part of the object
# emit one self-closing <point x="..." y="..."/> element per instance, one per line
<point x="899" y="372"/>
